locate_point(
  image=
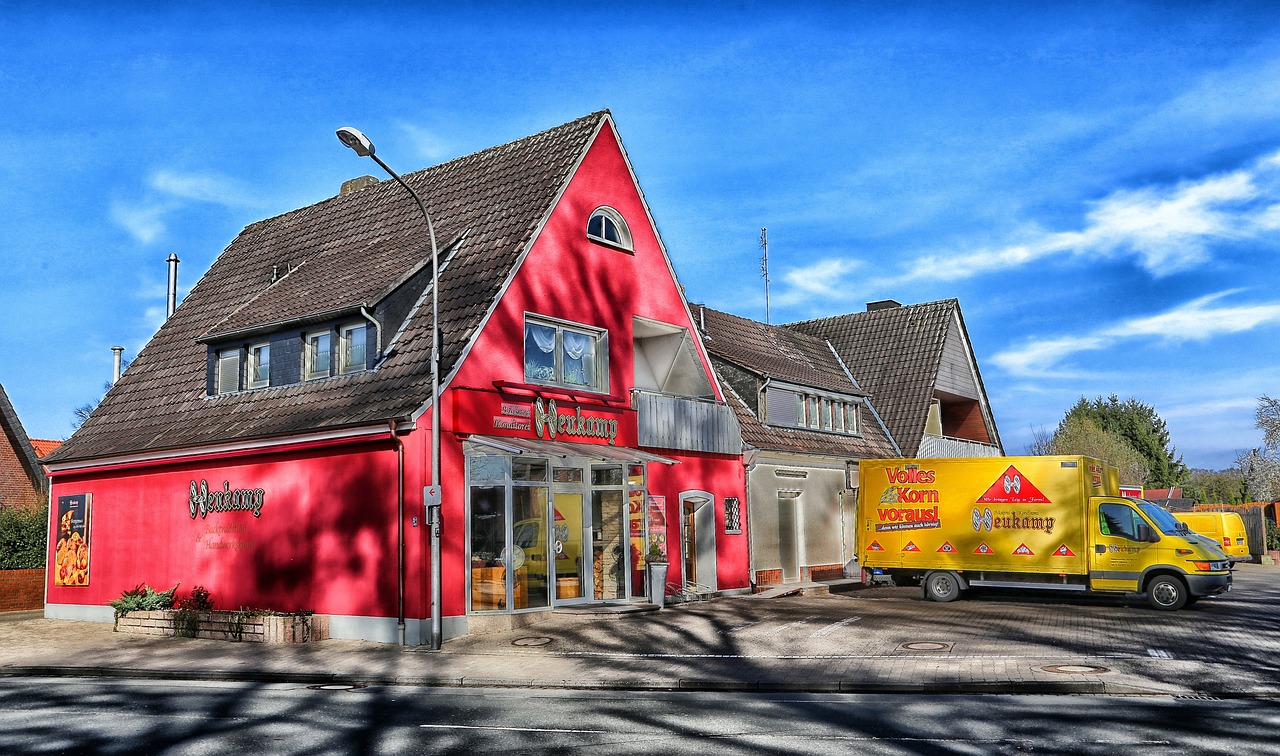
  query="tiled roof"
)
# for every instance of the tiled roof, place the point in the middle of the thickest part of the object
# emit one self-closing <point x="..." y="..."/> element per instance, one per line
<point x="11" y="428"/>
<point x="775" y="351"/>
<point x="44" y="446"/>
<point x="779" y="353"/>
<point x="343" y="252"/>
<point x="895" y="354"/>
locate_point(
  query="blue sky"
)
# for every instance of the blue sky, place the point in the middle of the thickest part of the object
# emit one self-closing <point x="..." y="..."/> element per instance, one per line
<point x="1098" y="183"/>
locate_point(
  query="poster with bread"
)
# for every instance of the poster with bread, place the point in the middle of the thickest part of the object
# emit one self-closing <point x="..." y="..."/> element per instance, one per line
<point x="71" y="553"/>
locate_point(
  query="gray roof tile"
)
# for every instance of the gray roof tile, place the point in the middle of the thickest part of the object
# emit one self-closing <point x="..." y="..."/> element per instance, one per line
<point x="344" y="251"/>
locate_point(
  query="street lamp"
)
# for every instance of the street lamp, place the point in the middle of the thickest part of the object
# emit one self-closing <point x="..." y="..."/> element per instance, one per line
<point x="431" y="494"/>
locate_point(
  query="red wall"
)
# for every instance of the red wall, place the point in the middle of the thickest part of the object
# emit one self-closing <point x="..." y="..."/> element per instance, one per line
<point x="569" y="277"/>
<point x="325" y="538"/>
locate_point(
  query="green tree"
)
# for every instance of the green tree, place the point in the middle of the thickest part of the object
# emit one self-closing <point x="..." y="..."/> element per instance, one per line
<point x="1216" y="487"/>
<point x="1138" y="424"/>
<point x="1081" y="435"/>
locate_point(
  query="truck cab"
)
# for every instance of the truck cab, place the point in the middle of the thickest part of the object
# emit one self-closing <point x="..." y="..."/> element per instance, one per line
<point x="1140" y="548"/>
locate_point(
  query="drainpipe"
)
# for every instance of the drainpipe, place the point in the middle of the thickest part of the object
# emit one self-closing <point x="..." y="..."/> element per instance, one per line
<point x="173" y="284"/>
<point x="399" y="533"/>
<point x="116" y="358"/>
<point x="749" y="465"/>
<point x="377" y="329"/>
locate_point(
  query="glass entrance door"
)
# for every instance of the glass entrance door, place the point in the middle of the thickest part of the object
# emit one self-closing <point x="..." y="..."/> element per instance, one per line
<point x="610" y="542"/>
<point x="570" y="534"/>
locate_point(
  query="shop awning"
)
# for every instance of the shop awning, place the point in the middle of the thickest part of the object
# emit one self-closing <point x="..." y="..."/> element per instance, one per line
<point x="564" y="451"/>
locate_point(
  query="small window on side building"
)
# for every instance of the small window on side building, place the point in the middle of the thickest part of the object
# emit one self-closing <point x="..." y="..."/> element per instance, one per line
<point x="606" y="225"/>
<point x="317" y="348"/>
<point x="228" y="376"/>
<point x="259" y="374"/>
<point x="353" y="352"/>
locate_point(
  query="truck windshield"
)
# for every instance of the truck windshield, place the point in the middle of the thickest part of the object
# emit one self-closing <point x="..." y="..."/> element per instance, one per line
<point x="1168" y="524"/>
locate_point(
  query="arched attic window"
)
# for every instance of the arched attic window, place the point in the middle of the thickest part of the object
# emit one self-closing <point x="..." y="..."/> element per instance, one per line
<point x="606" y="225"/>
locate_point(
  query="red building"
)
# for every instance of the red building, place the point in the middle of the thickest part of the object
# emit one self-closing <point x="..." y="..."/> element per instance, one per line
<point x="272" y="441"/>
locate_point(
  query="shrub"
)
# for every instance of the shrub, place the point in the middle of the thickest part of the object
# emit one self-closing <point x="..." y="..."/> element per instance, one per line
<point x="23" y="538"/>
<point x="143" y="598"/>
<point x="198" y="600"/>
<point x="1273" y="536"/>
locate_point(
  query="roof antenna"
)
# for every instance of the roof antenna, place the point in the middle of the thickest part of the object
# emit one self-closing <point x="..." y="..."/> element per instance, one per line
<point x="764" y="272"/>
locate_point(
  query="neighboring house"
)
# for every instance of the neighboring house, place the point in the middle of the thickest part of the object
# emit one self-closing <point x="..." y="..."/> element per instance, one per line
<point x="272" y="441"/>
<point x="916" y="361"/>
<point x="805" y="424"/>
<point x="44" y="446"/>
<point x="22" y="479"/>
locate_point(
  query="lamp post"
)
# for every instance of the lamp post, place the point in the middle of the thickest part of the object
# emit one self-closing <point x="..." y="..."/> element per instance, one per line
<point x="431" y="494"/>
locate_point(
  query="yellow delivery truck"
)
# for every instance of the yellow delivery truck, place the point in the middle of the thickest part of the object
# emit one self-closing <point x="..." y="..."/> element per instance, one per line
<point x="1026" y="522"/>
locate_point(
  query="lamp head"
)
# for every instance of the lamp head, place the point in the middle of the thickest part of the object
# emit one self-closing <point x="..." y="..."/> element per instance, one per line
<point x="356" y="141"/>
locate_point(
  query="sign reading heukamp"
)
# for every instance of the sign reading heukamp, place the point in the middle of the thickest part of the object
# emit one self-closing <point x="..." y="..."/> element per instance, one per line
<point x="549" y="422"/>
<point x="203" y="501"/>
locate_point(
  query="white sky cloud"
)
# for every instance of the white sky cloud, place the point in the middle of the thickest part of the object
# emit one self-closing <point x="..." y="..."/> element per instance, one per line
<point x="426" y="143"/>
<point x="1162" y="228"/>
<point x="143" y="222"/>
<point x="208" y="187"/>
<point x="824" y="278"/>
<point x="1198" y="320"/>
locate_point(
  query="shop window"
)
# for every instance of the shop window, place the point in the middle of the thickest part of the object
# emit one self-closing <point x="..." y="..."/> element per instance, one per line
<point x="228" y="375"/>
<point x="259" y="365"/>
<point x="352" y="352"/>
<point x="317" y="348"/>
<point x="567" y="355"/>
<point x="606" y="225"/>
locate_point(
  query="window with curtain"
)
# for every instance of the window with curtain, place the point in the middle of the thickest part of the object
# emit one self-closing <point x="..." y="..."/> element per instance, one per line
<point x="564" y="355"/>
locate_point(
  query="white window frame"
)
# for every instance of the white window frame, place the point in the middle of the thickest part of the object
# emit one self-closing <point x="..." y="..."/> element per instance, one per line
<point x="600" y="346"/>
<point x="254" y="365"/>
<point x="609" y="215"/>
<point x="309" y="373"/>
<point x="345" y="364"/>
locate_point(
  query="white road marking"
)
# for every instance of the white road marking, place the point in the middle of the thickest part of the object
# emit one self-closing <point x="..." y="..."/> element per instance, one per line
<point x="829" y="629"/>
<point x="509" y="729"/>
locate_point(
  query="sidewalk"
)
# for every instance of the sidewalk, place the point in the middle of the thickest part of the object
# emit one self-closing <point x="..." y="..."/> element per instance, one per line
<point x="878" y="640"/>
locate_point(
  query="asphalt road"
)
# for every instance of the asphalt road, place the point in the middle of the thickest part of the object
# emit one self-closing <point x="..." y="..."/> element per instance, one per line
<point x="124" y="716"/>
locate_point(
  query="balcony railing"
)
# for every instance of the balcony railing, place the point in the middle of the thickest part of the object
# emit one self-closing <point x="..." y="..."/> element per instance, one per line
<point x="667" y="421"/>
<point x="932" y="447"/>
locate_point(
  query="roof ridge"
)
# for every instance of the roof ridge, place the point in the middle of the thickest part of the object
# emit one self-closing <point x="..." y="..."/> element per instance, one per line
<point x="438" y="166"/>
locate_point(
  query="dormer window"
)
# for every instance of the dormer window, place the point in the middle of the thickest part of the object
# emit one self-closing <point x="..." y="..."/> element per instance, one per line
<point x="317" y="348"/>
<point x="227" y="378"/>
<point x="606" y="225"/>
<point x="796" y="408"/>
<point x="351" y="357"/>
<point x="259" y="374"/>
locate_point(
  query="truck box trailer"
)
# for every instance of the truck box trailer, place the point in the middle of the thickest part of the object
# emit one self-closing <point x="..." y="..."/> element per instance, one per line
<point x="1054" y="522"/>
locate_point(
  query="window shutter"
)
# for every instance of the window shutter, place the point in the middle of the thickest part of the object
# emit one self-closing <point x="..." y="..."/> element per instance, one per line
<point x="228" y="371"/>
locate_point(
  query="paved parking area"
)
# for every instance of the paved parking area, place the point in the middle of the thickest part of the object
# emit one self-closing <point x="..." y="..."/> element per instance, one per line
<point x="873" y="639"/>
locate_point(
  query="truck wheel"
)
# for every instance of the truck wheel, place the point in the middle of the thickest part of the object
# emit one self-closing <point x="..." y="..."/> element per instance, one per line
<point x="1167" y="593"/>
<point x="942" y="586"/>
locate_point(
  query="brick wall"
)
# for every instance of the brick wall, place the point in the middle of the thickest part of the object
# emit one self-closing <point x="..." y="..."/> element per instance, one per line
<point x="21" y="590"/>
<point x="15" y="487"/>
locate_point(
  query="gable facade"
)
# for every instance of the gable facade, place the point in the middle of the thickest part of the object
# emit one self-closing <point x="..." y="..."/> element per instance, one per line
<point x="559" y="471"/>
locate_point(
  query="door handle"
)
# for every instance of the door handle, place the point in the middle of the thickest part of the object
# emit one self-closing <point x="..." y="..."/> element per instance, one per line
<point x="1100" y="548"/>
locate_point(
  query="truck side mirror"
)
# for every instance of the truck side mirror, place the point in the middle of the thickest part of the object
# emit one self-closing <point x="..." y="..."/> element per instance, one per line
<point x="1146" y="534"/>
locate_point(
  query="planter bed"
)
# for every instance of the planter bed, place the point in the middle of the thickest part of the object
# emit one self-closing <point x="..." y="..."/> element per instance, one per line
<point x="232" y="626"/>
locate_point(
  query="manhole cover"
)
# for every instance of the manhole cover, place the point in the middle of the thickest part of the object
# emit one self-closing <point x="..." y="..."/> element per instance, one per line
<point x="335" y="686"/>
<point x="1075" y="669"/>
<point x="925" y="646"/>
<point x="538" y="640"/>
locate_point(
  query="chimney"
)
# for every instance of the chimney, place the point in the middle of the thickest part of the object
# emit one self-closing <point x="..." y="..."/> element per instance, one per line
<point x="116" y="352"/>
<point x="356" y="184"/>
<point x="883" y="304"/>
<point x="173" y="286"/>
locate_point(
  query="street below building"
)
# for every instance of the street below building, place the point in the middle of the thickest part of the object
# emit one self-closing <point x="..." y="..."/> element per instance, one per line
<point x="127" y="716"/>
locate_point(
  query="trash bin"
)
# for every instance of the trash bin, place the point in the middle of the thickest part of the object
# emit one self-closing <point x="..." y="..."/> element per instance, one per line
<point x="657" y="575"/>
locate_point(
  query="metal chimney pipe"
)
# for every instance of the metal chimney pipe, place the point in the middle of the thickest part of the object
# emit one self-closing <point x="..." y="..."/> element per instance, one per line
<point x="173" y="286"/>
<point x="116" y="353"/>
